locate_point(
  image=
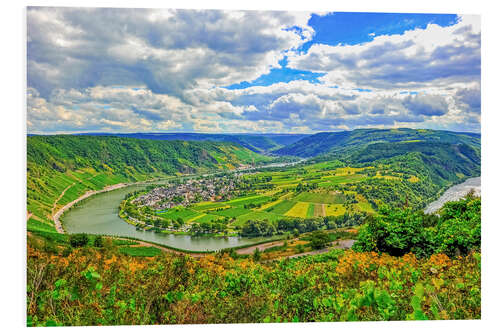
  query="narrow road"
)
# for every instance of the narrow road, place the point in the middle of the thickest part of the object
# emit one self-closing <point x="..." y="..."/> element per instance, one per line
<point x="340" y="244"/>
<point x="261" y="247"/>
<point x="164" y="249"/>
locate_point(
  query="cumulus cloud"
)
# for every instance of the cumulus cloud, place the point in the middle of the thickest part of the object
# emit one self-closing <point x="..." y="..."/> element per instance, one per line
<point x="122" y="70"/>
<point x="166" y="50"/>
<point x="432" y="56"/>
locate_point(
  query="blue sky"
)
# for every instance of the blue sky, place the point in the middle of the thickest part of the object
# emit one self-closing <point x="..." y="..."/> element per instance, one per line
<point x="123" y="70"/>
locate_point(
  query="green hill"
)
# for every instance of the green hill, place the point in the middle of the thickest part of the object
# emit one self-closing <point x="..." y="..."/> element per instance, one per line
<point x="260" y="143"/>
<point x="61" y="168"/>
<point x="337" y="143"/>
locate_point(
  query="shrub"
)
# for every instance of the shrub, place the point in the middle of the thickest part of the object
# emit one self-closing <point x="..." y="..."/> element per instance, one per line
<point x="98" y="241"/>
<point x="400" y="231"/>
<point x="319" y="239"/>
<point x="78" y="240"/>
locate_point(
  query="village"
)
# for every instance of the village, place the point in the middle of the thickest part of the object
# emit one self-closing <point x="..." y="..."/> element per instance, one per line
<point x="212" y="188"/>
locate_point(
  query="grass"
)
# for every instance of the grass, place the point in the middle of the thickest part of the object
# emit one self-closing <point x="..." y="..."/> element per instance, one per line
<point x="34" y="225"/>
<point x="298" y="210"/>
<point x="341" y="179"/>
<point x="254" y="200"/>
<point x="365" y="207"/>
<point x="140" y="251"/>
<point x="232" y="212"/>
<point x="270" y="204"/>
<point x="207" y="218"/>
<point x="208" y="205"/>
<point x="175" y="213"/>
<point x="335" y="210"/>
<point x="120" y="242"/>
<point x="321" y="197"/>
<point x="310" y="210"/>
<point x="256" y="215"/>
<point x="281" y="208"/>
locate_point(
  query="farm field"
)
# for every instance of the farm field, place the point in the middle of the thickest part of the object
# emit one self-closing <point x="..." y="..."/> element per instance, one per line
<point x="311" y="191"/>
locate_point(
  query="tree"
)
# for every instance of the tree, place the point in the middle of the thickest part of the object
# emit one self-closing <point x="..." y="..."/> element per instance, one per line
<point x="78" y="240"/>
<point x="98" y="242"/>
<point x="319" y="239"/>
<point x="256" y="254"/>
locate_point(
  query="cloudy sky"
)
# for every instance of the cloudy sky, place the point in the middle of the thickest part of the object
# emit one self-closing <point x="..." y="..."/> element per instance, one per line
<point x="141" y="70"/>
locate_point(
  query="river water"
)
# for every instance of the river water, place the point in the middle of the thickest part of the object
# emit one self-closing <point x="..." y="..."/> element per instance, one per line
<point x="99" y="215"/>
<point x="455" y="193"/>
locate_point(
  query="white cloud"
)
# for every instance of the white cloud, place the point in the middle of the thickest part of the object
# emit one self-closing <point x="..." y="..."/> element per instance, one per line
<point x="166" y="50"/>
<point x="163" y="70"/>
<point x="434" y="56"/>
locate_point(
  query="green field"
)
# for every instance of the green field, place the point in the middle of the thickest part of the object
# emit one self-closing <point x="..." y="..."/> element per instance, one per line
<point x="321" y="197"/>
<point x="34" y="225"/>
<point x="281" y="208"/>
<point x="310" y="210"/>
<point x="207" y="218"/>
<point x="300" y="209"/>
<point x="257" y="215"/>
<point x="184" y="213"/>
<point x="233" y="212"/>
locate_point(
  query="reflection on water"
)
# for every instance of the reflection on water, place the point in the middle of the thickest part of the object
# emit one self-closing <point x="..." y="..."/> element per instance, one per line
<point x="455" y="193"/>
<point x="99" y="215"/>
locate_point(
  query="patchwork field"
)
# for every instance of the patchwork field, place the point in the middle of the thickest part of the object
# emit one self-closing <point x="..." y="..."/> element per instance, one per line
<point x="280" y="200"/>
<point x="300" y="209"/>
<point x="321" y="197"/>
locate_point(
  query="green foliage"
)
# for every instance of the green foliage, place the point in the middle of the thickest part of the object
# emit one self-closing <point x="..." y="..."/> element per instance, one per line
<point x="319" y="239"/>
<point x="78" y="240"/>
<point x="98" y="241"/>
<point x="75" y="164"/>
<point x="341" y="142"/>
<point x="399" y="231"/>
<point x="140" y="251"/>
<point x="105" y="287"/>
<point x="256" y="254"/>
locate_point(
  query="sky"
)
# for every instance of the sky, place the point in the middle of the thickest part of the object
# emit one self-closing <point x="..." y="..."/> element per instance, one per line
<point x="216" y="71"/>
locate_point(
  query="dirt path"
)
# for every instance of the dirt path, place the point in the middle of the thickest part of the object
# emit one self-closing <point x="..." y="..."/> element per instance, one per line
<point x="57" y="215"/>
<point x="59" y="198"/>
<point x="340" y="244"/>
<point x="29" y="216"/>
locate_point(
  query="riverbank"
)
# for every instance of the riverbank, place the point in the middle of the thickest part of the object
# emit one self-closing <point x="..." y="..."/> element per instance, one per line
<point x="454" y="193"/>
<point x="60" y="212"/>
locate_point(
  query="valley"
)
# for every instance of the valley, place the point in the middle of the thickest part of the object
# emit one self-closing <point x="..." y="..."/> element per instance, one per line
<point x="344" y="215"/>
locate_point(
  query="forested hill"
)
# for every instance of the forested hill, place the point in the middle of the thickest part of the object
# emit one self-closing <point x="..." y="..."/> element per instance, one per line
<point x="339" y="143"/>
<point x="256" y="142"/>
<point x="70" y="165"/>
<point x="125" y="155"/>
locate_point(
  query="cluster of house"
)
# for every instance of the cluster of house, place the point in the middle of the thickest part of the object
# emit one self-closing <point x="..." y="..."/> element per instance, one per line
<point x="191" y="191"/>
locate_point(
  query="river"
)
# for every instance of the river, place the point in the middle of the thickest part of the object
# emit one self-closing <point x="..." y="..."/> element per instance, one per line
<point x="455" y="193"/>
<point x="99" y="215"/>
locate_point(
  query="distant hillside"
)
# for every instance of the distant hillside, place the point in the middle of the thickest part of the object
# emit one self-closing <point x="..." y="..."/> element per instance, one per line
<point x="441" y="162"/>
<point x="337" y="143"/>
<point x="261" y="143"/>
<point x="75" y="164"/>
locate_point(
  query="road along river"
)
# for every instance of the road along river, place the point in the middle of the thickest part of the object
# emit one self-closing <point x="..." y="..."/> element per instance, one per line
<point x="455" y="193"/>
